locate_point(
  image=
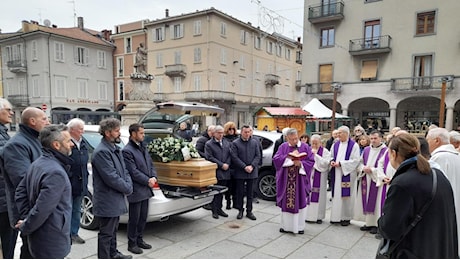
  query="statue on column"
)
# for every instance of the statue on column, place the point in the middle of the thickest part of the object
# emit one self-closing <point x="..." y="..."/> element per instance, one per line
<point x="141" y="59"/>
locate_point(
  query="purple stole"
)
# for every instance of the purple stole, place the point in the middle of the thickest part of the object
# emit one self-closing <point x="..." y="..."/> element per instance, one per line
<point x="345" y="179"/>
<point x="384" y="188"/>
<point x="369" y="201"/>
<point x="316" y="181"/>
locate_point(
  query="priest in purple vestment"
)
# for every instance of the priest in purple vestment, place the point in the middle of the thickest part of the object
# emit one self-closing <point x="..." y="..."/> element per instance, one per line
<point x="293" y="162"/>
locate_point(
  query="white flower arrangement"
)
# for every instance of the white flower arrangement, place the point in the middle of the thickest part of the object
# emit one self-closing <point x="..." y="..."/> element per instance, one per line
<point x="171" y="149"/>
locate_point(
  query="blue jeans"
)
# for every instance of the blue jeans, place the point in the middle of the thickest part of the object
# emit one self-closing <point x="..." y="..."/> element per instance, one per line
<point x="76" y="215"/>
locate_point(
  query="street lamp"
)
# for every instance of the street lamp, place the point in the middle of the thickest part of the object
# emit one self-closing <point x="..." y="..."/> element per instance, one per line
<point x="335" y="88"/>
<point x="444" y="80"/>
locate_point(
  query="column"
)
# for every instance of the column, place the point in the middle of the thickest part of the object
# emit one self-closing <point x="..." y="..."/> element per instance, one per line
<point x="344" y="111"/>
<point x="449" y="118"/>
<point x="392" y="118"/>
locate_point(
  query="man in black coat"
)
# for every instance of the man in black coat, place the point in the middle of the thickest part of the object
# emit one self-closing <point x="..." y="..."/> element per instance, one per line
<point x="111" y="183"/>
<point x="8" y="234"/>
<point x="217" y="150"/>
<point x="19" y="153"/>
<point x="143" y="174"/>
<point x="44" y="196"/>
<point x="203" y="139"/>
<point x="78" y="175"/>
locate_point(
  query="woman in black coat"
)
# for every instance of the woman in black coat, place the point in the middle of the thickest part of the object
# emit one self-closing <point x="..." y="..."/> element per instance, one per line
<point x="435" y="236"/>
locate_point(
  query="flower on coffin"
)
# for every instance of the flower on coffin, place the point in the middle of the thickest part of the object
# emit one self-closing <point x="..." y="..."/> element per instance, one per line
<point x="171" y="149"/>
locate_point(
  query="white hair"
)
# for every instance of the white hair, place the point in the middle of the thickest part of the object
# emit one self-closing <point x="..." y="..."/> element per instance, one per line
<point x="454" y="136"/>
<point x="345" y="129"/>
<point x="75" y="122"/>
<point x="285" y="131"/>
<point x="315" y="137"/>
<point x="440" y="133"/>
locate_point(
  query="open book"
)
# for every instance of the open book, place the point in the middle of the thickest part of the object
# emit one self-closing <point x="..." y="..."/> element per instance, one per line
<point x="297" y="156"/>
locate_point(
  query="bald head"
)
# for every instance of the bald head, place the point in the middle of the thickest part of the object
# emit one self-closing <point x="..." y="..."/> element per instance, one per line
<point x="34" y="118"/>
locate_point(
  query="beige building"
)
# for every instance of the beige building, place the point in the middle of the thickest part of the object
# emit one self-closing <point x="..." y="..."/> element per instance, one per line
<point x="389" y="57"/>
<point x="211" y="57"/>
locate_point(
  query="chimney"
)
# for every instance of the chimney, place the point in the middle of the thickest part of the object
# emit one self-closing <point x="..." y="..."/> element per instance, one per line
<point x="106" y="34"/>
<point x="80" y="22"/>
<point x="298" y="39"/>
<point x="167" y="12"/>
<point x="54" y="26"/>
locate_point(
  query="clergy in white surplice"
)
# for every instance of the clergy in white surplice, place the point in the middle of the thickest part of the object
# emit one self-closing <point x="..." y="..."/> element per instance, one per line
<point x="369" y="195"/>
<point x="344" y="163"/>
<point x="316" y="211"/>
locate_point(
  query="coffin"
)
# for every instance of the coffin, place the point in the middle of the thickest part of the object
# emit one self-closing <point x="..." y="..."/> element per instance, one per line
<point x="196" y="172"/>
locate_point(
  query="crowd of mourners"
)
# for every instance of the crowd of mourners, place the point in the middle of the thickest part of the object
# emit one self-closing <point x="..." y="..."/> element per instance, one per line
<point x="402" y="187"/>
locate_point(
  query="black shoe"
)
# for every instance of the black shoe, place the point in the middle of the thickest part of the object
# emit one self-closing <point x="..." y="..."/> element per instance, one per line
<point x="229" y="204"/>
<point x="222" y="213"/>
<point x="309" y="221"/>
<point x="119" y="255"/>
<point x="215" y="215"/>
<point x="301" y="232"/>
<point x="378" y="236"/>
<point x="240" y="215"/>
<point x="144" y="245"/>
<point x="283" y="231"/>
<point x="335" y="222"/>
<point x="319" y="221"/>
<point x="345" y="222"/>
<point x="373" y="230"/>
<point x="329" y="188"/>
<point x="251" y="216"/>
<point x="365" y="228"/>
<point x="208" y="206"/>
<point x="77" y="239"/>
<point x="255" y="200"/>
<point x="135" y="250"/>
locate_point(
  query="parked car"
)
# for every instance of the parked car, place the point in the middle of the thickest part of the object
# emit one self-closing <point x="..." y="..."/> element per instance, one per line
<point x="266" y="183"/>
<point x="167" y="200"/>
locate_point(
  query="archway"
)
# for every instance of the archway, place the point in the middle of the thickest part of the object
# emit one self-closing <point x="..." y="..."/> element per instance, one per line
<point x="417" y="113"/>
<point x="371" y="113"/>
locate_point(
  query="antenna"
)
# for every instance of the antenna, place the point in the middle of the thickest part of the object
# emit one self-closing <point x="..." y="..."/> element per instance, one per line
<point x="74" y="13"/>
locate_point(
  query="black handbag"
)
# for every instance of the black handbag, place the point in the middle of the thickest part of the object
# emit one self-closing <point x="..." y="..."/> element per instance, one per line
<point x="384" y="250"/>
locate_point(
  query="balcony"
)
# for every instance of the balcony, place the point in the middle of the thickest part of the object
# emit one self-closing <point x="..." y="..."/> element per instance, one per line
<point x="325" y="12"/>
<point x="365" y="46"/>
<point x="271" y="80"/>
<point x="319" y="88"/>
<point x="298" y="85"/>
<point x="19" y="100"/>
<point x="159" y="97"/>
<point x="214" y="95"/>
<point x="17" y="66"/>
<point x="272" y="101"/>
<point x="420" y="83"/>
<point x="176" y="70"/>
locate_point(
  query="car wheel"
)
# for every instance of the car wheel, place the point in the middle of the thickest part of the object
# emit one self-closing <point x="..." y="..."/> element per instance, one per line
<point x="266" y="185"/>
<point x="88" y="220"/>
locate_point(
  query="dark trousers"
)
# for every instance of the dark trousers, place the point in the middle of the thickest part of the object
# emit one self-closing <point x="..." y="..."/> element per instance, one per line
<point x="240" y="189"/>
<point x="25" y="252"/>
<point x="137" y="218"/>
<point x="8" y="236"/>
<point x="217" y="200"/>
<point x="107" y="237"/>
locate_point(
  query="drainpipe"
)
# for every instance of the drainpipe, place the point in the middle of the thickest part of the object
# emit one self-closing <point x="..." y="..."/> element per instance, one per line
<point x="49" y="76"/>
<point x="27" y="71"/>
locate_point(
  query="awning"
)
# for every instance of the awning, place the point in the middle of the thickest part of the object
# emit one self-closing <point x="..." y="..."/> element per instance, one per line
<point x="369" y="69"/>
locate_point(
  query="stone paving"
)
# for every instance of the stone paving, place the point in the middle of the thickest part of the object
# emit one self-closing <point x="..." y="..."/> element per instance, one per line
<point x="197" y="235"/>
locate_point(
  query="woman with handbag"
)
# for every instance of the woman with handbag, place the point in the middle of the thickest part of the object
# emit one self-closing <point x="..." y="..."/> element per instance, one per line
<point x="419" y="213"/>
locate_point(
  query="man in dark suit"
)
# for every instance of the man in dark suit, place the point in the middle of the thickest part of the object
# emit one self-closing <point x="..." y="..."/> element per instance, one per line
<point x="111" y="183"/>
<point x="143" y="175"/>
<point x="217" y="150"/>
<point x="44" y="196"/>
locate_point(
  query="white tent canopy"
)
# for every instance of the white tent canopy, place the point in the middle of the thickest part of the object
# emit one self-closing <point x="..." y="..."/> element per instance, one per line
<point x="319" y="110"/>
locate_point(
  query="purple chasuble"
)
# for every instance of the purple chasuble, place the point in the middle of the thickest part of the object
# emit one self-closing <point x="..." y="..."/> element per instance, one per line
<point x="292" y="188"/>
<point x="345" y="179"/>
<point x="316" y="181"/>
<point x="369" y="201"/>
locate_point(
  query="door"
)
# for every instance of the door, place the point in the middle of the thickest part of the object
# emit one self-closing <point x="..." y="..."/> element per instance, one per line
<point x="325" y="77"/>
<point x="372" y="34"/>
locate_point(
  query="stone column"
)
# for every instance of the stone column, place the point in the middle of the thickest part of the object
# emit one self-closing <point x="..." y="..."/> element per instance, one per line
<point x="392" y="118"/>
<point x="449" y="118"/>
<point x="140" y="99"/>
<point x="345" y="111"/>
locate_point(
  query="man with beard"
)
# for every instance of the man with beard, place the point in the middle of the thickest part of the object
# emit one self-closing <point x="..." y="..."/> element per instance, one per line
<point x="44" y="196"/>
<point x="111" y="183"/>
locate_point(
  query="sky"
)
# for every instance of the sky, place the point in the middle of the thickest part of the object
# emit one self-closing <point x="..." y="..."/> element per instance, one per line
<point x="285" y="18"/>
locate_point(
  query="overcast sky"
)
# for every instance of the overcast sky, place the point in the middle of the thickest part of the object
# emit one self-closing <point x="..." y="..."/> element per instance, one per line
<point x="286" y="15"/>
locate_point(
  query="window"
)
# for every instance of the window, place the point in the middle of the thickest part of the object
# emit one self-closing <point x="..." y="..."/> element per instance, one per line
<point x="423" y="66"/>
<point x="244" y="37"/>
<point x="223" y="56"/>
<point x="288" y="74"/>
<point x="8" y="53"/>
<point x="287" y="54"/>
<point x="258" y="88"/>
<point x="159" y="34"/>
<point x="17" y="52"/>
<point x="101" y="60"/>
<point x="61" y="89"/>
<point x="197" y="27"/>
<point x="279" y="49"/>
<point x="177" y="31"/>
<point x="35" y="86"/>
<point x="81" y="56"/>
<point x="329" y="7"/>
<point x="369" y="70"/>
<point x="243" y="85"/>
<point x="59" y="51"/>
<point x="372" y="34"/>
<point x="34" y="50"/>
<point x="325" y="77"/>
<point x="197" y="55"/>
<point x="128" y="44"/>
<point x="121" y="90"/>
<point x="327" y="37"/>
<point x="223" y="81"/>
<point x="120" y="66"/>
<point x="242" y="62"/>
<point x="102" y="90"/>
<point x="197" y="82"/>
<point x="177" y="84"/>
<point x="177" y="57"/>
<point x="269" y="47"/>
<point x="257" y="66"/>
<point x="298" y="75"/>
<point x="82" y="88"/>
<point x="257" y="42"/>
<point x="159" y="84"/>
<point x="223" y="29"/>
<point x="159" y="58"/>
<point x="426" y="22"/>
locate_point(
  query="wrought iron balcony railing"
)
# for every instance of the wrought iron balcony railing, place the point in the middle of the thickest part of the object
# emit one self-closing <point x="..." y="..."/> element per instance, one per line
<point x="209" y="95"/>
<point x="363" y="46"/>
<point x="19" y="100"/>
<point x="420" y="83"/>
<point x="271" y="80"/>
<point x="325" y="12"/>
<point x="17" y="66"/>
<point x="319" y="88"/>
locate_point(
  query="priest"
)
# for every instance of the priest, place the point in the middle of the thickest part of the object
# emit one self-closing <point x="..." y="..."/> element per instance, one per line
<point x="293" y="162"/>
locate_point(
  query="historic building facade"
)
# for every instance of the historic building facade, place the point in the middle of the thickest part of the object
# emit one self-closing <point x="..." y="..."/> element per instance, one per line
<point x="388" y="60"/>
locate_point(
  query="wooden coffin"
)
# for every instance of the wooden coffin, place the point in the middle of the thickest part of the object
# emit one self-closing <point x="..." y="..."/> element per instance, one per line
<point x="196" y="172"/>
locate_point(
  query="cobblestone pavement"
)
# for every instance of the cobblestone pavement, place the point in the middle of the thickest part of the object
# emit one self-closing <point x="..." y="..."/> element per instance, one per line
<point x="197" y="235"/>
